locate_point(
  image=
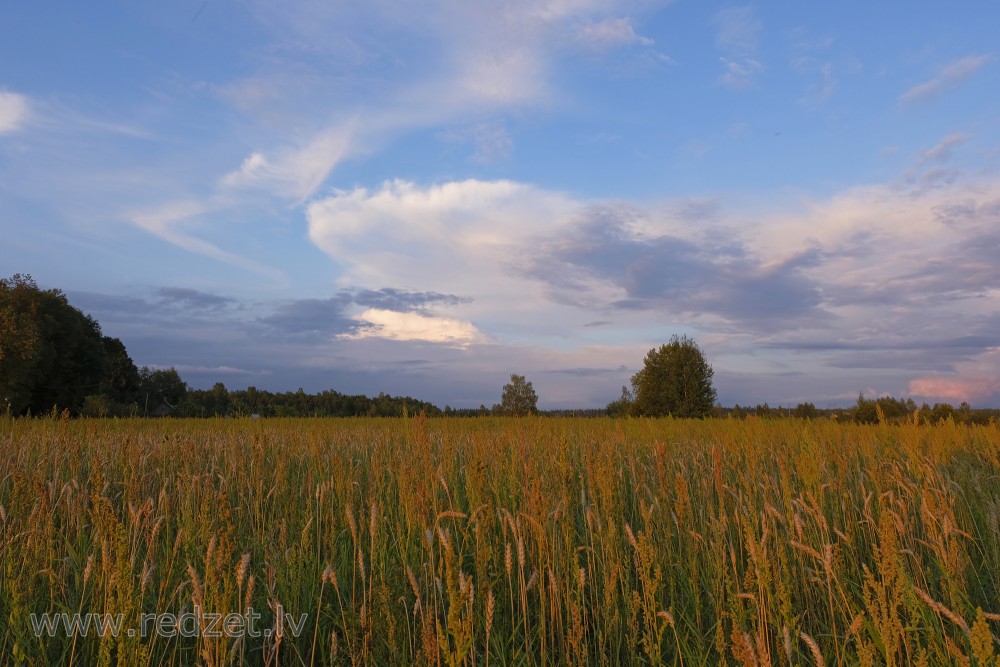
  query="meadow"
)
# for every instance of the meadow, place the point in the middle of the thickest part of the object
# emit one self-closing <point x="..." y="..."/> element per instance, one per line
<point x="493" y="541"/>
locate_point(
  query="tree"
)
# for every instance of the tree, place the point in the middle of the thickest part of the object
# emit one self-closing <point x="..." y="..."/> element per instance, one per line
<point x="518" y="397"/>
<point x="157" y="386"/>
<point x="51" y="354"/>
<point x="806" y="411"/>
<point x="675" y="380"/>
<point x="121" y="377"/>
<point x="622" y="407"/>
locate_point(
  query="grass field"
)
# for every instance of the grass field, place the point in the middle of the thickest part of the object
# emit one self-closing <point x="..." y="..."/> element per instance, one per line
<point x="504" y="541"/>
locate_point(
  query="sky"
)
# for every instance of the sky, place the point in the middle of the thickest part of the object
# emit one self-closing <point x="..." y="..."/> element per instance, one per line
<point x="422" y="198"/>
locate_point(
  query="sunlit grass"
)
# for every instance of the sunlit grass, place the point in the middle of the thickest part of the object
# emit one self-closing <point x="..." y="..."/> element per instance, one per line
<point x="507" y="541"/>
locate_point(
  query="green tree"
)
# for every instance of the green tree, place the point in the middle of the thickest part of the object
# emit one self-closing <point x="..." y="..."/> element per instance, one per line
<point x="622" y="407"/>
<point x="18" y="342"/>
<point x="121" y="377"/>
<point x="675" y="380"/>
<point x="806" y="411"/>
<point x="518" y="397"/>
<point x="51" y="354"/>
<point x="158" y="386"/>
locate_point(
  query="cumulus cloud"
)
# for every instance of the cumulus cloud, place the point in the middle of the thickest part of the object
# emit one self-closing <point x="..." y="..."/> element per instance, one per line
<point x="949" y="78"/>
<point x="868" y="247"/>
<point x="466" y="237"/>
<point x="14" y="111"/>
<point x="886" y="275"/>
<point x="441" y="237"/>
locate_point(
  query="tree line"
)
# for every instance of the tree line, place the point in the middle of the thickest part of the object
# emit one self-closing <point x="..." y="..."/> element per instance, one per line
<point x="866" y="411"/>
<point x="55" y="358"/>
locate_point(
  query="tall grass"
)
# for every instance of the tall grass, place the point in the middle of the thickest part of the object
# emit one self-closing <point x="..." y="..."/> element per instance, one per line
<point x="507" y="541"/>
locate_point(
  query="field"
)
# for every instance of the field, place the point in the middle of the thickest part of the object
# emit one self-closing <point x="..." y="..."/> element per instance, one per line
<point x="501" y="541"/>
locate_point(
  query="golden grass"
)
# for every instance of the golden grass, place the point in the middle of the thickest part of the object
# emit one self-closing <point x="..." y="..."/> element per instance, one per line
<point x="507" y="541"/>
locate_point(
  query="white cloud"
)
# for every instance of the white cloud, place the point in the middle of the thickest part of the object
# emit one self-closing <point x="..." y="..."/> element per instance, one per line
<point x="14" y="111"/>
<point x="455" y="234"/>
<point x="951" y="77"/>
<point x="411" y="326"/>
<point x="466" y="238"/>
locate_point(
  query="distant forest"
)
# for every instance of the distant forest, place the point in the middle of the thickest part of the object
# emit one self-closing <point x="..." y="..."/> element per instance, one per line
<point x="54" y="360"/>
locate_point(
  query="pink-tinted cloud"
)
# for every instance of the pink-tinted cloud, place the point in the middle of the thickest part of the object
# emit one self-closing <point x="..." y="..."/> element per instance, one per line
<point x="974" y="380"/>
<point x="955" y="388"/>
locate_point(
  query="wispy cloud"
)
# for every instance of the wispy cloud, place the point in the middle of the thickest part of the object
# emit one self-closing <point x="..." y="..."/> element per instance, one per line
<point x="738" y="33"/>
<point x="475" y="62"/>
<point x="167" y="222"/>
<point x="944" y="149"/>
<point x="740" y="73"/>
<point x="738" y="29"/>
<point x="931" y="169"/>
<point x="14" y="111"/>
<point x="949" y="78"/>
<point x="823" y="80"/>
<point x="611" y="33"/>
<point x="297" y="171"/>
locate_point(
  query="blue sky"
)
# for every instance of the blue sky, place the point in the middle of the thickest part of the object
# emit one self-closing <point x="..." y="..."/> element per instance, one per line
<point x="425" y="197"/>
